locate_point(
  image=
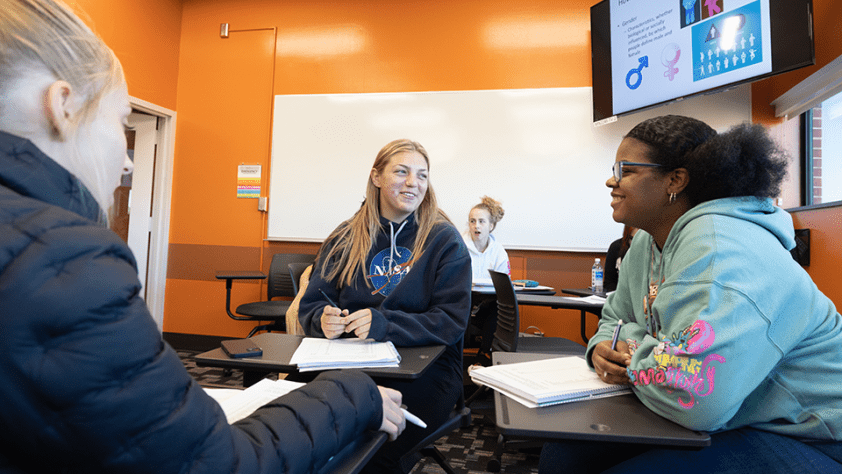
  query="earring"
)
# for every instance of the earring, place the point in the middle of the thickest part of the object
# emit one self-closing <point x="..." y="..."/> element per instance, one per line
<point x="672" y="198"/>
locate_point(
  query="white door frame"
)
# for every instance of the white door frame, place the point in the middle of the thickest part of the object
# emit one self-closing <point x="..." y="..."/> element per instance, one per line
<point x="161" y="202"/>
<point x="140" y="195"/>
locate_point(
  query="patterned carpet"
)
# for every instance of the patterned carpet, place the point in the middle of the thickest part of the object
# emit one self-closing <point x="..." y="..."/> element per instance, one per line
<point x="467" y="450"/>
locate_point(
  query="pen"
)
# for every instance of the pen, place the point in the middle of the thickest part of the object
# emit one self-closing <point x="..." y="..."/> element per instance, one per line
<point x="616" y="335"/>
<point x="328" y="298"/>
<point x="412" y="418"/>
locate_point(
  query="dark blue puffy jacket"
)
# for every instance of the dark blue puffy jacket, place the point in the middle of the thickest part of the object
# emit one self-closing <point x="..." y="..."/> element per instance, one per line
<point x="87" y="383"/>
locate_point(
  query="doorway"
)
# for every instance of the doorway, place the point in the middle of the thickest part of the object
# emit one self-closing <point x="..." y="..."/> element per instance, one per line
<point x="132" y="214"/>
<point x="141" y="214"/>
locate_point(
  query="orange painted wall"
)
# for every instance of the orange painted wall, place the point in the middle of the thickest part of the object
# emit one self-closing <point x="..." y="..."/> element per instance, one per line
<point x="145" y="35"/>
<point x="349" y="46"/>
<point x="825" y="226"/>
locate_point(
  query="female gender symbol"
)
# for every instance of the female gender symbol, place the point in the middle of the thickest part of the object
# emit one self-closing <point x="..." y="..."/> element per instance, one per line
<point x="674" y="52"/>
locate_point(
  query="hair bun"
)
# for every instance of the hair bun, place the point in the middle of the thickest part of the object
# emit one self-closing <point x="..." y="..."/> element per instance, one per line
<point x="495" y="210"/>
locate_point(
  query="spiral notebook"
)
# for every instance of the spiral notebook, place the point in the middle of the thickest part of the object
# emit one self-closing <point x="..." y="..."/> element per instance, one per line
<point x="547" y="382"/>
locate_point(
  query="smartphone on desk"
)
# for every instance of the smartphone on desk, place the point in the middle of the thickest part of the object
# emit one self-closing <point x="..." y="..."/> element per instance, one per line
<point x="238" y="348"/>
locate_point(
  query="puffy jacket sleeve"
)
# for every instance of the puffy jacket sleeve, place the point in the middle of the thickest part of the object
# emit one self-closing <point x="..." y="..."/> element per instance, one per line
<point x="311" y="424"/>
<point x="87" y="378"/>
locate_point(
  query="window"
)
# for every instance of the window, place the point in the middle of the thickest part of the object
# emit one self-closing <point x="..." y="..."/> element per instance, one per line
<point x="817" y="100"/>
<point x="823" y="152"/>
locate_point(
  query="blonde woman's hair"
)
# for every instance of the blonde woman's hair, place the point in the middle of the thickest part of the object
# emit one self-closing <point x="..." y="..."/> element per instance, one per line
<point x="353" y="239"/>
<point x="495" y="210"/>
<point x="45" y="37"/>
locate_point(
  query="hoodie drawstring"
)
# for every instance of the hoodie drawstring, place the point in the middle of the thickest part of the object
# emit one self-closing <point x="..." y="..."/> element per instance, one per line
<point x="394" y="236"/>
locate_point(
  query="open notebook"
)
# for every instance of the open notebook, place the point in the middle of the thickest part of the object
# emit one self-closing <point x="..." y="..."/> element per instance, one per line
<point x="547" y="381"/>
<point x="238" y="404"/>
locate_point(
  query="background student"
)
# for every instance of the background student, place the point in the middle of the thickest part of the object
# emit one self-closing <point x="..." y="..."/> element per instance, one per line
<point x="486" y="254"/>
<point x="722" y="330"/>
<point x="614" y="258"/>
<point x="87" y="383"/>
<point x="399" y="272"/>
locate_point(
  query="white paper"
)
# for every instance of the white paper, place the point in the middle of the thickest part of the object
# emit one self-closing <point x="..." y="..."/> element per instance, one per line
<point x="243" y="403"/>
<point x="321" y="354"/>
<point x="594" y="299"/>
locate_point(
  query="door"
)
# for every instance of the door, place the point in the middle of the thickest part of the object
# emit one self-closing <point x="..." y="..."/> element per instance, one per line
<point x="132" y="218"/>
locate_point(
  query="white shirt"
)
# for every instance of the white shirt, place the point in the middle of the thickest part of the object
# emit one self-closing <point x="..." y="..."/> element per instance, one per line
<point x="493" y="258"/>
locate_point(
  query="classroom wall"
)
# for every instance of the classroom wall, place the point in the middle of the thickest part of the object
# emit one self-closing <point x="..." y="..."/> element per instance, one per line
<point x="225" y="89"/>
<point x="145" y="36"/>
<point x="825" y="226"/>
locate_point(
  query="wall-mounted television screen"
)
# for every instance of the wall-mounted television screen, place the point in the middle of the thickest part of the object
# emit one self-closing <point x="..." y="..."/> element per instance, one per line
<point x="649" y="52"/>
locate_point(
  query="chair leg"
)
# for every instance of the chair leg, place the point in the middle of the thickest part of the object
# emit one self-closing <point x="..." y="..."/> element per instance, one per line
<point x="496" y="461"/>
<point x="479" y="391"/>
<point x="438" y="457"/>
<point x="262" y="327"/>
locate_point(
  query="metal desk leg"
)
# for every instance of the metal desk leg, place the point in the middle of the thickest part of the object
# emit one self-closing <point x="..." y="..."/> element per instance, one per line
<point x="583" y="326"/>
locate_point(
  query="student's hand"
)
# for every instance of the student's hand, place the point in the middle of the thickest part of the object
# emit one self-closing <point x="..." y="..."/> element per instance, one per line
<point x="611" y="365"/>
<point x="393" y="419"/>
<point x="359" y="322"/>
<point x="332" y="321"/>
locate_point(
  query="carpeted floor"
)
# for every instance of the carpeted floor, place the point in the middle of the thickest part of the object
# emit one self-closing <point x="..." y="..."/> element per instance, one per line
<point x="467" y="450"/>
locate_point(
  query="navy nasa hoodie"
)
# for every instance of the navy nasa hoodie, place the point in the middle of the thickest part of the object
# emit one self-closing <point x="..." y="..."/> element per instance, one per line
<point x="414" y="301"/>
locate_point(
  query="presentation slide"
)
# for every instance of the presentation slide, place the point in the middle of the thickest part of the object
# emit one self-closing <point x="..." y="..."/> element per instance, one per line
<point x="662" y="49"/>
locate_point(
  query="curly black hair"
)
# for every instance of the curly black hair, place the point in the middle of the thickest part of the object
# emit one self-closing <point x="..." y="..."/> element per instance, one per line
<point x="743" y="161"/>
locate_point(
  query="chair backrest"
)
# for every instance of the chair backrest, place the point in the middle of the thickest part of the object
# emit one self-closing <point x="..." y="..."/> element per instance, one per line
<point x="298" y="272"/>
<point x="295" y="272"/>
<point x="508" y="318"/>
<point x="279" y="282"/>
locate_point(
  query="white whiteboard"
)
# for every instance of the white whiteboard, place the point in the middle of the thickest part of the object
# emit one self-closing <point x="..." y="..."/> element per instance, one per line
<point x="535" y="150"/>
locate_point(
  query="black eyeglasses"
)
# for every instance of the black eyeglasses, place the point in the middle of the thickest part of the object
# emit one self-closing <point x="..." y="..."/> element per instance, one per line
<point x="617" y="168"/>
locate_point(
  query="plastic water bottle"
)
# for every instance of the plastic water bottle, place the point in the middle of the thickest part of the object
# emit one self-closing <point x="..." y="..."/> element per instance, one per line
<point x="596" y="276"/>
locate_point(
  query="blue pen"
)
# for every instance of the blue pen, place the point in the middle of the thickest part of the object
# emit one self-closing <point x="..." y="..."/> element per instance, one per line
<point x="330" y="301"/>
<point x="616" y="335"/>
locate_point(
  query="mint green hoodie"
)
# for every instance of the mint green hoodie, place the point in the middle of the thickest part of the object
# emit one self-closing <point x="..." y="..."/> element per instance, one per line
<point x="740" y="336"/>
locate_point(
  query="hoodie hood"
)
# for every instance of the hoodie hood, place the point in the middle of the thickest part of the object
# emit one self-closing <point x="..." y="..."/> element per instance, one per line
<point x="759" y="211"/>
<point x="472" y="247"/>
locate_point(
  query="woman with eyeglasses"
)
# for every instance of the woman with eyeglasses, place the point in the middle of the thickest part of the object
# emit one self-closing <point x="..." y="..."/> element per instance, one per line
<point x="722" y="330"/>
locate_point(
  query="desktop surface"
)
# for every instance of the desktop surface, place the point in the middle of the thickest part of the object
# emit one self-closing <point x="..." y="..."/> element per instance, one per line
<point x="553" y="301"/>
<point x="535" y="290"/>
<point x="278" y="348"/>
<point x="583" y="292"/>
<point x="564" y="302"/>
<point x="622" y="418"/>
